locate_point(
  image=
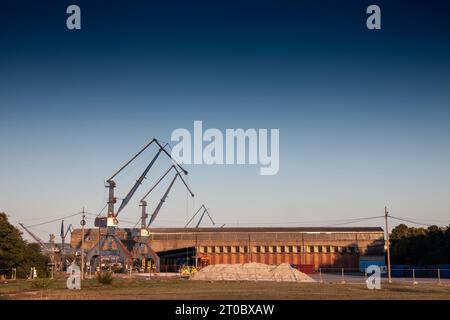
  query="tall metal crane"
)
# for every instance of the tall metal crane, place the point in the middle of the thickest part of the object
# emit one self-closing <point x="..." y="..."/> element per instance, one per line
<point x="49" y="250"/>
<point x="205" y="210"/>
<point x="110" y="222"/>
<point x="142" y="241"/>
<point x="112" y="184"/>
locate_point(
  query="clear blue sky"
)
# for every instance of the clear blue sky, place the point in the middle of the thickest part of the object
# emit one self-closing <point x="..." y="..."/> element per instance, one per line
<point x="363" y="116"/>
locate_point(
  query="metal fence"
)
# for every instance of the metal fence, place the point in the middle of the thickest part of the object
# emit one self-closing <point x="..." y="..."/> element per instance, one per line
<point x="413" y="276"/>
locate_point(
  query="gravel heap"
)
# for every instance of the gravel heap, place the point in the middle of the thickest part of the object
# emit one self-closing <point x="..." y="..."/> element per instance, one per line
<point x="251" y="272"/>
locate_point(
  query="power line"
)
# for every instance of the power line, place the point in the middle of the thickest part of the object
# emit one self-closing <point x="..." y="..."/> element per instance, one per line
<point x="354" y="221"/>
<point x="411" y="221"/>
<point x="47" y="222"/>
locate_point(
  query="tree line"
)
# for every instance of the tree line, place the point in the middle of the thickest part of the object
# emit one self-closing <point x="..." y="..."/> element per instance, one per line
<point x="420" y="246"/>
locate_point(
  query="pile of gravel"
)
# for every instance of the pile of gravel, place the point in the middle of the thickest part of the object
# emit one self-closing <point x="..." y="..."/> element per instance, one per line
<point x="251" y="272"/>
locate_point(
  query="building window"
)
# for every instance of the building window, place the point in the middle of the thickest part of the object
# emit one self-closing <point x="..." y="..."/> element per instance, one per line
<point x="258" y="249"/>
<point x="237" y="249"/>
<point x="315" y="248"/>
<point x="213" y="249"/>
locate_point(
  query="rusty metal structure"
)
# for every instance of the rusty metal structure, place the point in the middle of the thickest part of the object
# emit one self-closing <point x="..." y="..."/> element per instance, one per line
<point x="332" y="247"/>
<point x="110" y="240"/>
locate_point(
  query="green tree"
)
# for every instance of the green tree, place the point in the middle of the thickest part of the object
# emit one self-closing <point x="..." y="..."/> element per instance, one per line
<point x="12" y="246"/>
<point x="399" y="232"/>
<point x="420" y="246"/>
<point x="17" y="253"/>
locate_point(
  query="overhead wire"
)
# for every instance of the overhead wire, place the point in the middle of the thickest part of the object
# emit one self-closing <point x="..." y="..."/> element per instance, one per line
<point x="354" y="221"/>
<point x="410" y="221"/>
<point x="54" y="220"/>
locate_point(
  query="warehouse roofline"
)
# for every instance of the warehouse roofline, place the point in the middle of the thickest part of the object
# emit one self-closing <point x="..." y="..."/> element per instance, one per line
<point x="267" y="229"/>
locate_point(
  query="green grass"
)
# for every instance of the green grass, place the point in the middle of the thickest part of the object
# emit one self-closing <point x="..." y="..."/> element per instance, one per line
<point x="198" y="290"/>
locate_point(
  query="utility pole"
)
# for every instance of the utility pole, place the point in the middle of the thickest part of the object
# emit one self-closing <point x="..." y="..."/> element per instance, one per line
<point x="386" y="213"/>
<point x="83" y="223"/>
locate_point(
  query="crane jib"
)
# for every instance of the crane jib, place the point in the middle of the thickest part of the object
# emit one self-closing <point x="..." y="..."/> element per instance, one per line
<point x="163" y="199"/>
<point x="138" y="183"/>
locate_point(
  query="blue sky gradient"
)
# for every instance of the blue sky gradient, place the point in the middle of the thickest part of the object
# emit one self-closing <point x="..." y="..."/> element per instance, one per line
<point x="363" y="115"/>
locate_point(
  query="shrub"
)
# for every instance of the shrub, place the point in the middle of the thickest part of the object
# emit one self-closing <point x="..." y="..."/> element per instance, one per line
<point x="105" y="277"/>
<point x="117" y="268"/>
<point x="42" y="283"/>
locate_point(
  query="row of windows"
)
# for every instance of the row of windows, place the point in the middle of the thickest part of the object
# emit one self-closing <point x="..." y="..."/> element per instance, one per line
<point x="277" y="249"/>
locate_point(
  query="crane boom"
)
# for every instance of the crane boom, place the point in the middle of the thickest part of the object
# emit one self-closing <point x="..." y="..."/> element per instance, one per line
<point x="35" y="237"/>
<point x="138" y="183"/>
<point x="112" y="185"/>
<point x="139" y="153"/>
<point x="131" y="159"/>
<point x="201" y="218"/>
<point x="144" y="203"/>
<point x="163" y="199"/>
<point x="157" y="182"/>
<point x="205" y="210"/>
<point x="193" y="216"/>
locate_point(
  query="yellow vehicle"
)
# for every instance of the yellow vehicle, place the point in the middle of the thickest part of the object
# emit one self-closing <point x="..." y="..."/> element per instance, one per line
<point x="187" y="271"/>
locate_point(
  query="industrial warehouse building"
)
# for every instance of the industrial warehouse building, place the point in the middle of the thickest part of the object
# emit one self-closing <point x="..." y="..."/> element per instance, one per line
<point x="318" y="247"/>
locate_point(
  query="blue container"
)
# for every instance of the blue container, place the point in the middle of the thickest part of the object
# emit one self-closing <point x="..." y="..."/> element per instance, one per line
<point x="445" y="271"/>
<point x="363" y="264"/>
<point x="399" y="270"/>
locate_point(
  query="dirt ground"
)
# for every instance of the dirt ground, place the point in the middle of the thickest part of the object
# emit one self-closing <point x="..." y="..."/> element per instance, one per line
<point x="180" y="289"/>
